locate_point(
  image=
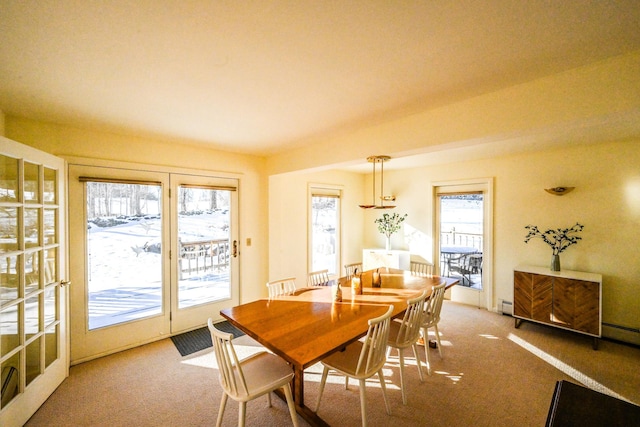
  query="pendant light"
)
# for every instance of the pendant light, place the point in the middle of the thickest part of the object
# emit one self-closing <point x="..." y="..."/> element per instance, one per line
<point x="381" y="160"/>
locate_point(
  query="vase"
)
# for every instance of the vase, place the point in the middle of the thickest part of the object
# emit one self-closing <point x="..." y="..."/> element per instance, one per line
<point x="388" y="243"/>
<point x="555" y="262"/>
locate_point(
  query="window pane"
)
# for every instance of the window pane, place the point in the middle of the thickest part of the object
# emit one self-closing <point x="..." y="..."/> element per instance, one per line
<point x="31" y="192"/>
<point x="9" y="278"/>
<point x="50" y="186"/>
<point x="31" y="272"/>
<point x="33" y="360"/>
<point x="123" y="242"/>
<point x="204" y="221"/>
<point x="11" y="379"/>
<point x="9" y="329"/>
<point x="50" y="226"/>
<point x="8" y="179"/>
<point x="8" y="230"/>
<point x="324" y="236"/>
<point x="31" y="227"/>
<point x="51" y="345"/>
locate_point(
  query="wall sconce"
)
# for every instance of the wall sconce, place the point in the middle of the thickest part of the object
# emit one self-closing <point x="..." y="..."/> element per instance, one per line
<point x="559" y="191"/>
<point x="381" y="160"/>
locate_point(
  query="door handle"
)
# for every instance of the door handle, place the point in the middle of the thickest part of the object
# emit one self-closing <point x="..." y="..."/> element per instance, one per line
<point x="235" y="248"/>
<point x="64" y="283"/>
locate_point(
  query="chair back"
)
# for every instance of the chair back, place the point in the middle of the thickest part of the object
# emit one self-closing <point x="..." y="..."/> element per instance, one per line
<point x="350" y="269"/>
<point x="281" y="287"/>
<point x="421" y="268"/>
<point x="412" y="321"/>
<point x="231" y="376"/>
<point x="319" y="278"/>
<point x="433" y="305"/>
<point x="374" y="349"/>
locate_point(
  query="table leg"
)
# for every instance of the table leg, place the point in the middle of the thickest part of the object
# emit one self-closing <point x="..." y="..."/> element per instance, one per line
<point x="298" y="396"/>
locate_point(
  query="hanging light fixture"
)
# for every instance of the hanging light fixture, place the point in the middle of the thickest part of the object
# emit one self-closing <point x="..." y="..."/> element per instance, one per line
<point x="374" y="160"/>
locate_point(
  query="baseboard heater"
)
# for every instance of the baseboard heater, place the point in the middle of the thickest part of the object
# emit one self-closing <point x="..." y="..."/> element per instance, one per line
<point x="505" y="307"/>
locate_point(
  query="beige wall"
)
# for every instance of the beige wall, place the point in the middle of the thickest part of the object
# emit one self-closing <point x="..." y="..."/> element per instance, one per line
<point x="606" y="201"/>
<point x="289" y="206"/>
<point x="72" y="142"/>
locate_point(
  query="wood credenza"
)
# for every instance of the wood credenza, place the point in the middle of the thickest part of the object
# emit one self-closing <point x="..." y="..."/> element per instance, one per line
<point x="566" y="299"/>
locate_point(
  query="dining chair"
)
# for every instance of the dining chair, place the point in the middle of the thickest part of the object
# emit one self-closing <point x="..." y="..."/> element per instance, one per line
<point x="362" y="360"/>
<point x="350" y="269"/>
<point x="404" y="333"/>
<point x="432" y="308"/>
<point x="281" y="287"/>
<point x="250" y="378"/>
<point x="318" y="278"/>
<point x="421" y="268"/>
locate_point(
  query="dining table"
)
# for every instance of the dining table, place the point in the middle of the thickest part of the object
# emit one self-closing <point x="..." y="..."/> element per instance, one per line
<point x="307" y="325"/>
<point x="448" y="253"/>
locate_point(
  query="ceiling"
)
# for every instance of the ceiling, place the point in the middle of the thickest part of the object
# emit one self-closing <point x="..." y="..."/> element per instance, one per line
<point x="259" y="77"/>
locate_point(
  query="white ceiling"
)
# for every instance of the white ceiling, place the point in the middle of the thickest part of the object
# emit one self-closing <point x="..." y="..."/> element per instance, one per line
<point x="261" y="76"/>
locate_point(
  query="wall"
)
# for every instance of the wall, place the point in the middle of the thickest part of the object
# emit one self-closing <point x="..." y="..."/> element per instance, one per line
<point x="289" y="217"/>
<point x="606" y="201"/>
<point x="66" y="141"/>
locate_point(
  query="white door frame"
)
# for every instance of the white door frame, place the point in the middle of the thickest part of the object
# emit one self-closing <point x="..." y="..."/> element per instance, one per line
<point x="484" y="298"/>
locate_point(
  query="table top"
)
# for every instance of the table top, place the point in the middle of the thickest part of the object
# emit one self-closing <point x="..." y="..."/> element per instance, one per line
<point x="307" y="326"/>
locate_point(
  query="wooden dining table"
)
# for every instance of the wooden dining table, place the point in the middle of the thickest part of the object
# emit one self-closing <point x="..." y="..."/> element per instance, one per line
<point x="305" y="327"/>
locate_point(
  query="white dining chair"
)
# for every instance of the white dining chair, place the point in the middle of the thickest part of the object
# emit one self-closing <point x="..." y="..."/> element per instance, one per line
<point x="318" y="278"/>
<point x="432" y="309"/>
<point x="361" y="360"/>
<point x="250" y="378"/>
<point x="404" y="333"/>
<point x="281" y="287"/>
<point x="353" y="268"/>
<point x="421" y="268"/>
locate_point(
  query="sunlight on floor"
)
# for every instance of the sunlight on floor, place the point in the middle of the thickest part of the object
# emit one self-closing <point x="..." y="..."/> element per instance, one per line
<point x="572" y="372"/>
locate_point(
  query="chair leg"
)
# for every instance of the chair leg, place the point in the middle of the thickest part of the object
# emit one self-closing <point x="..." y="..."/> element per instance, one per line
<point x="223" y="403"/>
<point x="425" y="338"/>
<point x="438" y="340"/>
<point x="401" y="357"/>
<point x="290" y="404"/>
<point x="363" y="402"/>
<point x="415" y="354"/>
<point x="384" y="391"/>
<point x="322" y="382"/>
<point x="242" y="410"/>
<point x="269" y="399"/>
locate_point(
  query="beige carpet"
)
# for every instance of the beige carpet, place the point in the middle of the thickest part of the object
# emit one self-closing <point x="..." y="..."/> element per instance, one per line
<point x="492" y="375"/>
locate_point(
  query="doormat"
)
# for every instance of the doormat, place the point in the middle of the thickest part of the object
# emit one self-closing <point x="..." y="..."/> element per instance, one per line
<point x="199" y="339"/>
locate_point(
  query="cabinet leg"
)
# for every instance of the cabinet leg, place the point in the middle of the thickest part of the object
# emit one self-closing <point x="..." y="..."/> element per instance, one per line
<point x="518" y="322"/>
<point x="596" y="342"/>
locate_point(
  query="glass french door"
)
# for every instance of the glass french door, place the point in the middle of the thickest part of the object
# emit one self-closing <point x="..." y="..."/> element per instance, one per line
<point x="33" y="291"/>
<point x="155" y="255"/>
<point x="463" y="238"/>
<point x="205" y="268"/>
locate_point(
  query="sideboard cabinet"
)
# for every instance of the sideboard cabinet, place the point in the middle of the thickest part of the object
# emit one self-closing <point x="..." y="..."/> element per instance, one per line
<point x="566" y="299"/>
<point x="375" y="258"/>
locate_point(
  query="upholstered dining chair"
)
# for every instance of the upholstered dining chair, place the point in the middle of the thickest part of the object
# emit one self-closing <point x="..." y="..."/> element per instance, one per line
<point x="318" y="278"/>
<point x="404" y="333"/>
<point x="432" y="309"/>
<point x="350" y="269"/>
<point x="421" y="268"/>
<point x="361" y="360"/>
<point x="281" y="287"/>
<point x="250" y="378"/>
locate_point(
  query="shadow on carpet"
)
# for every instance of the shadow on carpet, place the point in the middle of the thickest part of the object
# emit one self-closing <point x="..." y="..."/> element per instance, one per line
<point x="199" y="339"/>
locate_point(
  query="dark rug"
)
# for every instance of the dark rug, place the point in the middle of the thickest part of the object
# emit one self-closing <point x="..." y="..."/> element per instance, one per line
<point x="199" y="339"/>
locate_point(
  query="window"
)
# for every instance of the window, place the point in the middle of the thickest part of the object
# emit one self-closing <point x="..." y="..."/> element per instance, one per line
<point x="325" y="230"/>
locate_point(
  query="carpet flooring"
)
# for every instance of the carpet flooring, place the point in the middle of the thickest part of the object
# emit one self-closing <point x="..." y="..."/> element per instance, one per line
<point x="199" y="339"/>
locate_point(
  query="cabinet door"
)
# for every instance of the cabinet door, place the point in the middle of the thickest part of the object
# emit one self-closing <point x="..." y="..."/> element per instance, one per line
<point x="587" y="307"/>
<point x="522" y="294"/>
<point x="541" y="298"/>
<point x="564" y="302"/>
